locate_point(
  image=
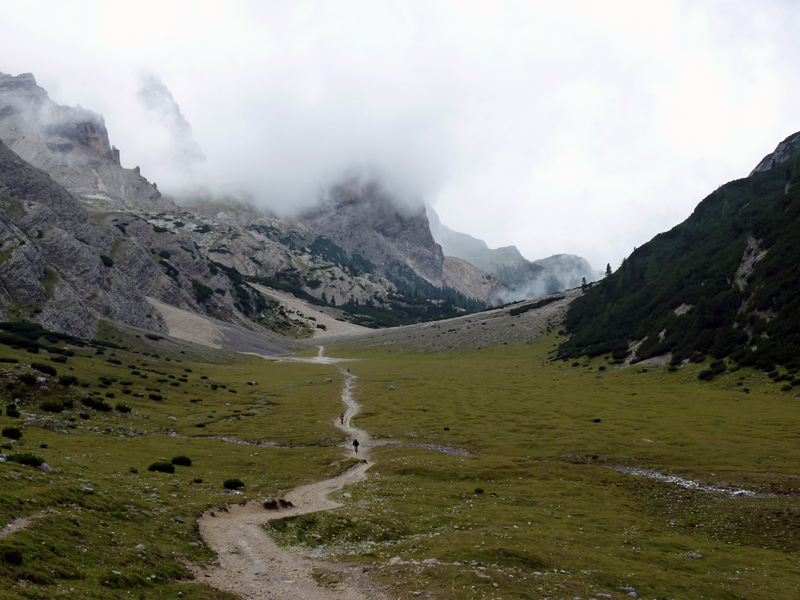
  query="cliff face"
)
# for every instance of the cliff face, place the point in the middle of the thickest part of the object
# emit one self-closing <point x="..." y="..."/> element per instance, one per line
<point x="50" y="257"/>
<point x="784" y="151"/>
<point x="365" y="218"/>
<point x="72" y="145"/>
<point x="522" y="278"/>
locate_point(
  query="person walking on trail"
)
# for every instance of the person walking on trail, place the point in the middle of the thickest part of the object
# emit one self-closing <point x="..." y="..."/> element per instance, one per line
<point x="341" y="416"/>
<point x="355" y="445"/>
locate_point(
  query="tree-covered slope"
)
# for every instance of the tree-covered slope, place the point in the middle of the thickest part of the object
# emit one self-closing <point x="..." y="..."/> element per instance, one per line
<point x="724" y="283"/>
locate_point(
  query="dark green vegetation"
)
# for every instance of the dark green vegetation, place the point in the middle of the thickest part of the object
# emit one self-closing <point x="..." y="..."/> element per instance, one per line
<point x="101" y="525"/>
<point x="540" y="508"/>
<point x="725" y="283"/>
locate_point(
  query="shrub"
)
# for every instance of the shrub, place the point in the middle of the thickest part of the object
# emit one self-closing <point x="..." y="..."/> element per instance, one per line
<point x="68" y="379"/>
<point x="153" y="336"/>
<point x="156" y="397"/>
<point x="26" y="458"/>
<point x="46" y="369"/>
<point x="11" y="556"/>
<point x="13" y="412"/>
<point x="184" y="461"/>
<point x="96" y="403"/>
<point x="54" y="406"/>
<point x="201" y="291"/>
<point x="27" y="379"/>
<point x="478" y="490"/>
<point x="233" y="484"/>
<point x="706" y="375"/>
<point x="9" y="360"/>
<point x="162" y="466"/>
<point x="58" y="359"/>
<point x="123" y="408"/>
<point x="12" y="433"/>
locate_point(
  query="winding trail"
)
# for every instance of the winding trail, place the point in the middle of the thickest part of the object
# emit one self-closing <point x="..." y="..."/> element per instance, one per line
<point x="252" y="565"/>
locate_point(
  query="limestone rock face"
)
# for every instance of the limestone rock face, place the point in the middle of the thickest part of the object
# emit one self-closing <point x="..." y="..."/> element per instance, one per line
<point x="50" y="257"/>
<point x="521" y="278"/>
<point x="365" y="218"/>
<point x="72" y="145"/>
<point x="472" y="281"/>
<point x="785" y="150"/>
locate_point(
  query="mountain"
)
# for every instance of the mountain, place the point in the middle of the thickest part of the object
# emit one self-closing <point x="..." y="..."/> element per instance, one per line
<point x="367" y="219"/>
<point x="72" y="145"/>
<point x="724" y="283"/>
<point x="522" y="278"/>
<point x="107" y="239"/>
<point x="183" y="152"/>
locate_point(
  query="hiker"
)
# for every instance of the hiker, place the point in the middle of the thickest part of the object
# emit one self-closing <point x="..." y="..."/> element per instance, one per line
<point x="341" y="417"/>
<point x="355" y="445"/>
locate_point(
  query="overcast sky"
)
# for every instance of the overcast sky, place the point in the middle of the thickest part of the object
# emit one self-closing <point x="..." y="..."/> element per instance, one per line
<point x="581" y="127"/>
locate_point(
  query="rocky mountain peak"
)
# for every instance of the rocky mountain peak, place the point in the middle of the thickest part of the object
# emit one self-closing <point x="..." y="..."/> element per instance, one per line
<point x="784" y="151"/>
<point x="366" y="217"/>
<point x="72" y="145"/>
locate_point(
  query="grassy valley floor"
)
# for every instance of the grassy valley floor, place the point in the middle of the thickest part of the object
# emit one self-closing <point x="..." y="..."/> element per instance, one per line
<point x="498" y="474"/>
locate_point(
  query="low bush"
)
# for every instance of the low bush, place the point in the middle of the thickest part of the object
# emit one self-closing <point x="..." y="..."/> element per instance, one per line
<point x="123" y="408"/>
<point x="162" y="466"/>
<point x="58" y="359"/>
<point x="11" y="556"/>
<point x="233" y="484"/>
<point x="68" y="379"/>
<point x="26" y="458"/>
<point x="27" y="379"/>
<point x="54" y="406"/>
<point x="13" y="412"/>
<point x="155" y="397"/>
<point x="12" y="433"/>
<point x="96" y="403"/>
<point x="184" y="461"/>
<point x="44" y="368"/>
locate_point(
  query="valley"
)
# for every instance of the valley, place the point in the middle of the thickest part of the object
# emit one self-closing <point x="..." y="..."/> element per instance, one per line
<point x="542" y="498"/>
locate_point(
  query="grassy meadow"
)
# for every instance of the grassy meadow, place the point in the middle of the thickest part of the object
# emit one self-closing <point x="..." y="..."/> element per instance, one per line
<point x="105" y="526"/>
<point x="539" y="509"/>
<point x="527" y="500"/>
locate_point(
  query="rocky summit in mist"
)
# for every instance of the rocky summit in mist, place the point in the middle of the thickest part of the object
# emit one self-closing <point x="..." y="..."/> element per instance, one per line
<point x="520" y="277"/>
<point x="85" y="238"/>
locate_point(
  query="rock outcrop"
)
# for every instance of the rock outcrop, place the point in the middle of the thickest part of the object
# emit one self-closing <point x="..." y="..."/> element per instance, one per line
<point x="784" y="151"/>
<point x="522" y="278"/>
<point x="72" y="145"/>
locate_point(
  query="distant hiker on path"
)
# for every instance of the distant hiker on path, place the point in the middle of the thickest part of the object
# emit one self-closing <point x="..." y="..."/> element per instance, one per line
<point x="355" y="445"/>
<point x="341" y="416"/>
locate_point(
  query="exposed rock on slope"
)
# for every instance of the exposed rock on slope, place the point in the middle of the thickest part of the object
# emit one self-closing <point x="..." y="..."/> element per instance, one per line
<point x="785" y="150"/>
<point x="51" y="263"/>
<point x="365" y="219"/>
<point x="72" y="145"/>
<point x="392" y="234"/>
<point x="522" y="278"/>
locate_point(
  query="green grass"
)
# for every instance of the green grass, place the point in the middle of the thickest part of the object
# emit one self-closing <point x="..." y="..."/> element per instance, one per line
<point x="100" y="502"/>
<point x="555" y="519"/>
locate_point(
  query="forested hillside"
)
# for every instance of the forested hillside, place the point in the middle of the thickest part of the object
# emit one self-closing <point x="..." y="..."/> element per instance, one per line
<point x="724" y="283"/>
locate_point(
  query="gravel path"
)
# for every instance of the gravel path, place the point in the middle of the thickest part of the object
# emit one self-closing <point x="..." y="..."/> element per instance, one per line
<point x="252" y="565"/>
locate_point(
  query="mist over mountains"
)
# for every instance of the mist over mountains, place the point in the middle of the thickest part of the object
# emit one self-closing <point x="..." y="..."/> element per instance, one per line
<point x="365" y="246"/>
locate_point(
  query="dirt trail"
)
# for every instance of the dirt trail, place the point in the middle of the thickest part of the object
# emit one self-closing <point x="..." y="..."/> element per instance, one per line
<point x="253" y="566"/>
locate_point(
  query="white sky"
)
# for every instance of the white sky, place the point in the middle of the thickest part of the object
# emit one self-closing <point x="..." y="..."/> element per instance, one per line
<point x="583" y="127"/>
